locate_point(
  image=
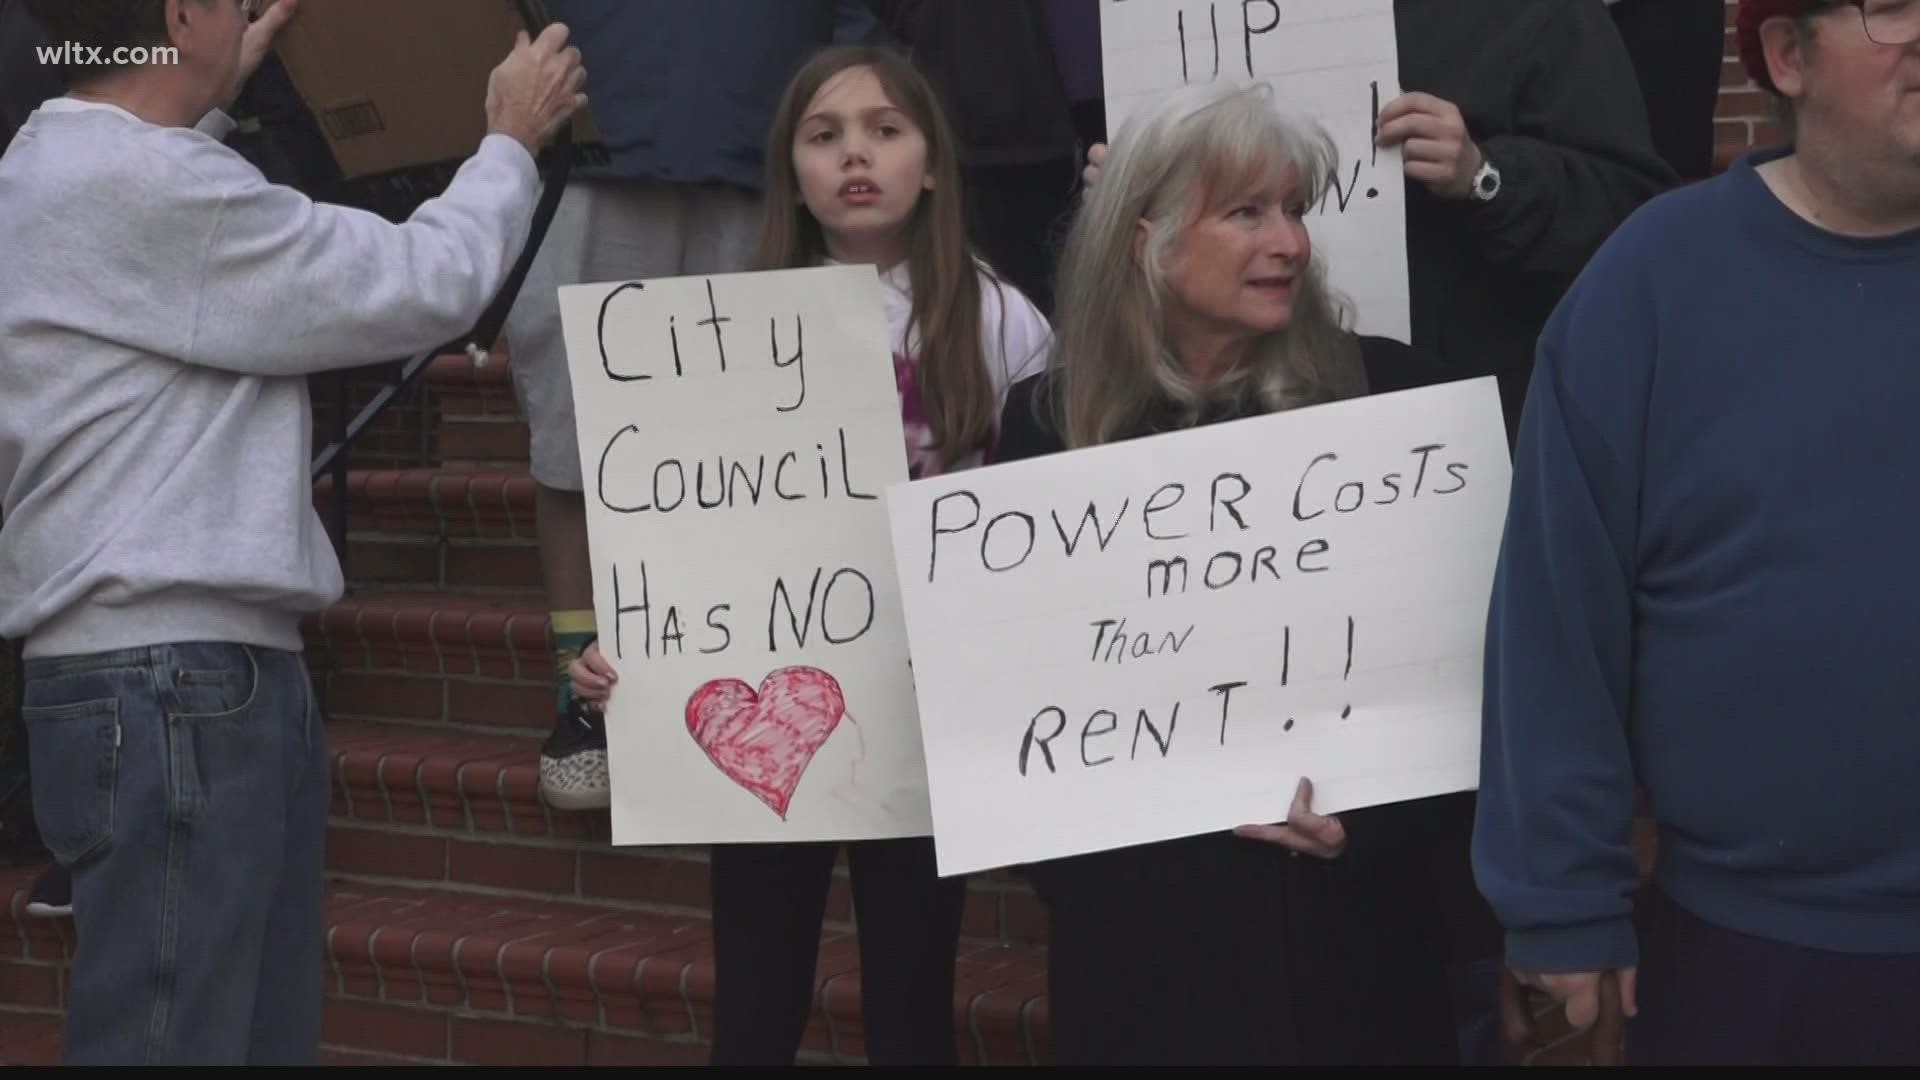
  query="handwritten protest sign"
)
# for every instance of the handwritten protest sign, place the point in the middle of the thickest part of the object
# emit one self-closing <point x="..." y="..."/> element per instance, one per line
<point x="736" y="435"/>
<point x="1157" y="638"/>
<point x="1335" y="61"/>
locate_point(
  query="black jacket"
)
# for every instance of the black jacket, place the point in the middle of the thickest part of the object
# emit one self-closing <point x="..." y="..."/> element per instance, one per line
<point x="24" y="81"/>
<point x="1677" y="48"/>
<point x="993" y="64"/>
<point x="1549" y="93"/>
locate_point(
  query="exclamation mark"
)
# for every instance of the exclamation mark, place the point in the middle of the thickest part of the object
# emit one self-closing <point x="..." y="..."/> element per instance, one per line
<point x="1372" y="192"/>
<point x="1180" y="23"/>
<point x="1286" y="665"/>
<point x="1348" y="711"/>
<point x="1376" y="123"/>
<point x="1213" y="19"/>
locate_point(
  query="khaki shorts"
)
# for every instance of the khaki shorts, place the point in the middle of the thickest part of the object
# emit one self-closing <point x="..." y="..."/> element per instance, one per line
<point x="610" y="230"/>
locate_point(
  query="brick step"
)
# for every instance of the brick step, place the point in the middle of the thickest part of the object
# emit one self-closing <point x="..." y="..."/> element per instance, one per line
<point x="442" y="503"/>
<point x="27" y="1038"/>
<point x="461" y="811"/>
<point x="466" y="389"/>
<point x="479" y="423"/>
<point x="436" y="976"/>
<point x="452" y="413"/>
<point x="453" y="529"/>
<point x="470" y="662"/>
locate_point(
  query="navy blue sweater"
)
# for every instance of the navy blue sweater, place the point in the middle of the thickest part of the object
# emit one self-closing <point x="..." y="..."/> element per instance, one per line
<point x="1710" y="585"/>
<point x="685" y="90"/>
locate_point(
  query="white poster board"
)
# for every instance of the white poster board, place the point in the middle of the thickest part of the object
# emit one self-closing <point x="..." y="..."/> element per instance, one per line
<point x="1336" y="61"/>
<point x="1157" y="638"/>
<point x="737" y="433"/>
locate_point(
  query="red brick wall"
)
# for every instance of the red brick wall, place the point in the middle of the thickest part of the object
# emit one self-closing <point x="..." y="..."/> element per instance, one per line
<point x="1742" y="119"/>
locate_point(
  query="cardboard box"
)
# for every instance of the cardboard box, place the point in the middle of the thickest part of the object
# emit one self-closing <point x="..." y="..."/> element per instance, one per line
<point x="398" y="85"/>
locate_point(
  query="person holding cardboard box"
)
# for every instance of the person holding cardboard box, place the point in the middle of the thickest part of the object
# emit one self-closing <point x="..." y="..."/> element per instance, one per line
<point x="160" y="309"/>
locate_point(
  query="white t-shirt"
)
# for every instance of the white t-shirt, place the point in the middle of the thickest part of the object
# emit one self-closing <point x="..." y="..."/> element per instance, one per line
<point x="1014" y="338"/>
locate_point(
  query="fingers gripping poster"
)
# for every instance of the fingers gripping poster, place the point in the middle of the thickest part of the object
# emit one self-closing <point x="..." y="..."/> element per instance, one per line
<point x="1333" y="61"/>
<point x="737" y="433"/>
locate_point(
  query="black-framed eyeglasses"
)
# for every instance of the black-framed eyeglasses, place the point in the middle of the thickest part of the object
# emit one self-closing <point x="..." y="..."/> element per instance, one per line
<point x="1888" y="22"/>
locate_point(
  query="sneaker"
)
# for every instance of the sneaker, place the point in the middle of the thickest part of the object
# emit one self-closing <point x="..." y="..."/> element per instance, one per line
<point x="573" y="762"/>
<point x="52" y="895"/>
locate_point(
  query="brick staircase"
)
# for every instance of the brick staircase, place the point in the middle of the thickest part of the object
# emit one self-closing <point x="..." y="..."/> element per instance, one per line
<point x="470" y="923"/>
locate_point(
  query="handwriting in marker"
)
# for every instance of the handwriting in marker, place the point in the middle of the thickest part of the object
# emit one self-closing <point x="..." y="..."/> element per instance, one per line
<point x="1347" y="674"/>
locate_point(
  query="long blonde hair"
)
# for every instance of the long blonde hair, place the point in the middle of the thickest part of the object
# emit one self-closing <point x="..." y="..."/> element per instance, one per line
<point x="1167" y="165"/>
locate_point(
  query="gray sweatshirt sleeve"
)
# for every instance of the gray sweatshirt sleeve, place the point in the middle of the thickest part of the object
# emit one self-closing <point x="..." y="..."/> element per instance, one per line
<point x="288" y="286"/>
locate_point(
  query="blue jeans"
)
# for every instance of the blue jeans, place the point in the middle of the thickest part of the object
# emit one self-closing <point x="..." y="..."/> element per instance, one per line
<point x="186" y="788"/>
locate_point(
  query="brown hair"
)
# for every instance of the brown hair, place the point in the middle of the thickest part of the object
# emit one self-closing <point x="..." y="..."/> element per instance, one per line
<point x="957" y="390"/>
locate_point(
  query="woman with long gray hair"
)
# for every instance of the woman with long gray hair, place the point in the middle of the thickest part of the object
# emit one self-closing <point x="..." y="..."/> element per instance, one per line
<point x="1189" y="294"/>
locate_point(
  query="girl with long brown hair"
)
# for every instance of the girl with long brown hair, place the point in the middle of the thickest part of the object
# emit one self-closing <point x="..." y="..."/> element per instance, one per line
<point x="861" y="168"/>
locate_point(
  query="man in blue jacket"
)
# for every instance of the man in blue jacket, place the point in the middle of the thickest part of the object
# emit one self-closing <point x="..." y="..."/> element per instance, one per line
<point x="1707" y="589"/>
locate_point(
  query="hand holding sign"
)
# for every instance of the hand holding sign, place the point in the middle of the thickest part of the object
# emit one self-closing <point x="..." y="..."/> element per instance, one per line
<point x="1334" y="61"/>
<point x="592" y="677"/>
<point x="1433" y="139"/>
<point x="1304" y="831"/>
<point x="1096" y="157"/>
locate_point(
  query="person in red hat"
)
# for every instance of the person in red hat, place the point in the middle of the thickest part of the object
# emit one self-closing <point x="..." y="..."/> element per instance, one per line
<point x="1707" y="587"/>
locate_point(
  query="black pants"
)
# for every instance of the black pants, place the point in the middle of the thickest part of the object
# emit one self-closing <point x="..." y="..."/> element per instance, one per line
<point x="1710" y="996"/>
<point x="768" y="904"/>
<point x="1218" y="951"/>
<point x="1018" y="217"/>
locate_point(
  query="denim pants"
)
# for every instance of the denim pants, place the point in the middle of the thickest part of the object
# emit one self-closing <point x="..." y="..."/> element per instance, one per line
<point x="185" y="786"/>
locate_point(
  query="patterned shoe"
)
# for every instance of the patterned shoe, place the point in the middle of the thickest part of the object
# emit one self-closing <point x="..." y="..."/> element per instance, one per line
<point x="573" y="762"/>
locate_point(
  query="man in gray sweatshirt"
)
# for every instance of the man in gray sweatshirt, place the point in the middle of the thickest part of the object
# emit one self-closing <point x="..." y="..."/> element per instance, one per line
<point x="161" y="306"/>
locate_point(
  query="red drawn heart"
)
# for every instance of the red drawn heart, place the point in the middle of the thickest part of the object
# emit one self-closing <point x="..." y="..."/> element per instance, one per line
<point x="764" y="740"/>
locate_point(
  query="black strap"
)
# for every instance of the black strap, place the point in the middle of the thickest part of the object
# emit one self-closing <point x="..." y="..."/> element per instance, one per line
<point x="557" y="169"/>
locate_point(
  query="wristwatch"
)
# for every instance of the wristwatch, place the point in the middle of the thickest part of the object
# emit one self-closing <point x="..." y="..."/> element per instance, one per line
<point x="1486" y="182"/>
